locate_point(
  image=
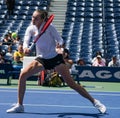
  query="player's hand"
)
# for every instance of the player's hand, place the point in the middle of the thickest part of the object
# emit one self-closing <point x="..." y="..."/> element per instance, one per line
<point x="26" y="50"/>
<point x="59" y="49"/>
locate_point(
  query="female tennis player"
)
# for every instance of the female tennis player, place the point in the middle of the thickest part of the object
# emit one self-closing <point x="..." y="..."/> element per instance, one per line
<point x="47" y="58"/>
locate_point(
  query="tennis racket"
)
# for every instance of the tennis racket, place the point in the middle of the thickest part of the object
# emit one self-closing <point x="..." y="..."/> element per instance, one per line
<point x="46" y="25"/>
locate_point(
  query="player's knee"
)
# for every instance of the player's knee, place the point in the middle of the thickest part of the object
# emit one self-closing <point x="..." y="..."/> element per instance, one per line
<point x="24" y="74"/>
<point x="71" y="84"/>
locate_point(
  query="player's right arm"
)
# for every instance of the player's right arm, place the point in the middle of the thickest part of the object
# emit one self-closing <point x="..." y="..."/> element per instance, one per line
<point x="31" y="32"/>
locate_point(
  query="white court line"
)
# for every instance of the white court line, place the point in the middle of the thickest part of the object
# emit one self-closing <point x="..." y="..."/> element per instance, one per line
<point x="60" y="106"/>
<point x="59" y="92"/>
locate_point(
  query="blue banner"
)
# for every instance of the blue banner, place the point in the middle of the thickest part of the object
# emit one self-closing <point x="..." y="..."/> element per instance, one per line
<point x="5" y="70"/>
<point x="102" y="74"/>
<point x="84" y="73"/>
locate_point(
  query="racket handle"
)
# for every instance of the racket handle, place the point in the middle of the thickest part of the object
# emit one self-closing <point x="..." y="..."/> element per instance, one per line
<point x="32" y="46"/>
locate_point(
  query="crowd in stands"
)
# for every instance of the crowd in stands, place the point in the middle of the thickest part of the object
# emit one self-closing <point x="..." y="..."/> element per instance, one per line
<point x="11" y="50"/>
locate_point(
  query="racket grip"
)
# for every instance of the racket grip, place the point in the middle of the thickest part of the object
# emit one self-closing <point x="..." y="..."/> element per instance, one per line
<point x="32" y="46"/>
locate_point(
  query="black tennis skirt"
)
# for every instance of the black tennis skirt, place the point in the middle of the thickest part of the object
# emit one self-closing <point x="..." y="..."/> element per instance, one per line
<point x="51" y="63"/>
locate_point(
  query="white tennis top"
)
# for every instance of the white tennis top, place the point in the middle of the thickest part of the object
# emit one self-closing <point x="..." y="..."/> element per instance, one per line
<point x="46" y="44"/>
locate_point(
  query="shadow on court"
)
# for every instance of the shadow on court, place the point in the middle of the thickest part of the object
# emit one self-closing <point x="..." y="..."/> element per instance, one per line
<point x="69" y="115"/>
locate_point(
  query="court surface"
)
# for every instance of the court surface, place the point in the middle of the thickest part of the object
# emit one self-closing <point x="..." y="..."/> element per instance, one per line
<point x="58" y="104"/>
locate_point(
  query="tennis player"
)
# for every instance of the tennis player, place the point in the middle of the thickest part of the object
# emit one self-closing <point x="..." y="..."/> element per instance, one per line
<point x="47" y="58"/>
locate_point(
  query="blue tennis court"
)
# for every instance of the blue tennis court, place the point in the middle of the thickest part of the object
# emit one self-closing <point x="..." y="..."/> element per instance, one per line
<point x="58" y="104"/>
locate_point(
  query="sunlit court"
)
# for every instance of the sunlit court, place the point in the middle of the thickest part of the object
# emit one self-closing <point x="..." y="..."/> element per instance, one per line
<point x="50" y="102"/>
<point x="46" y="44"/>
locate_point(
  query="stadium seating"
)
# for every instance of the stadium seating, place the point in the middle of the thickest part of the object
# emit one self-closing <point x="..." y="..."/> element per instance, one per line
<point x="97" y="28"/>
<point x="21" y="18"/>
<point x="90" y="25"/>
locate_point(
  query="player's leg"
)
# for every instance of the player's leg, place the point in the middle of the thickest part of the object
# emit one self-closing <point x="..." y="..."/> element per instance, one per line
<point x="32" y="68"/>
<point x="64" y="72"/>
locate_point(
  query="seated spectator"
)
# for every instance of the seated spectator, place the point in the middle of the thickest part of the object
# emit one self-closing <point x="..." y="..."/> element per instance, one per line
<point x="2" y="59"/>
<point x="9" y="53"/>
<point x="81" y="62"/>
<point x="16" y="40"/>
<point x="114" y="62"/>
<point x="17" y="66"/>
<point x="7" y="40"/>
<point x="99" y="61"/>
<point x="19" y="52"/>
<point x="74" y="71"/>
<point x="68" y="61"/>
<point x="98" y="53"/>
<point x="10" y="35"/>
<point x="17" y="63"/>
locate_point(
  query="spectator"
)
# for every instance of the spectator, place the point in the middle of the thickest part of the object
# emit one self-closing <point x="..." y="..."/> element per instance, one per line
<point x="19" y="52"/>
<point x="98" y="53"/>
<point x="17" y="66"/>
<point x="68" y="61"/>
<point x="2" y="59"/>
<point x="17" y="63"/>
<point x="81" y="62"/>
<point x="9" y="53"/>
<point x="114" y="62"/>
<point x="16" y="40"/>
<point x="7" y="40"/>
<point x="10" y="35"/>
<point x="10" y="6"/>
<point x="98" y="61"/>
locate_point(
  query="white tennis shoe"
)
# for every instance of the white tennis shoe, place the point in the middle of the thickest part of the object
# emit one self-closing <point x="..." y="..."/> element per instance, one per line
<point x="17" y="108"/>
<point x="99" y="106"/>
<point x="20" y="108"/>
